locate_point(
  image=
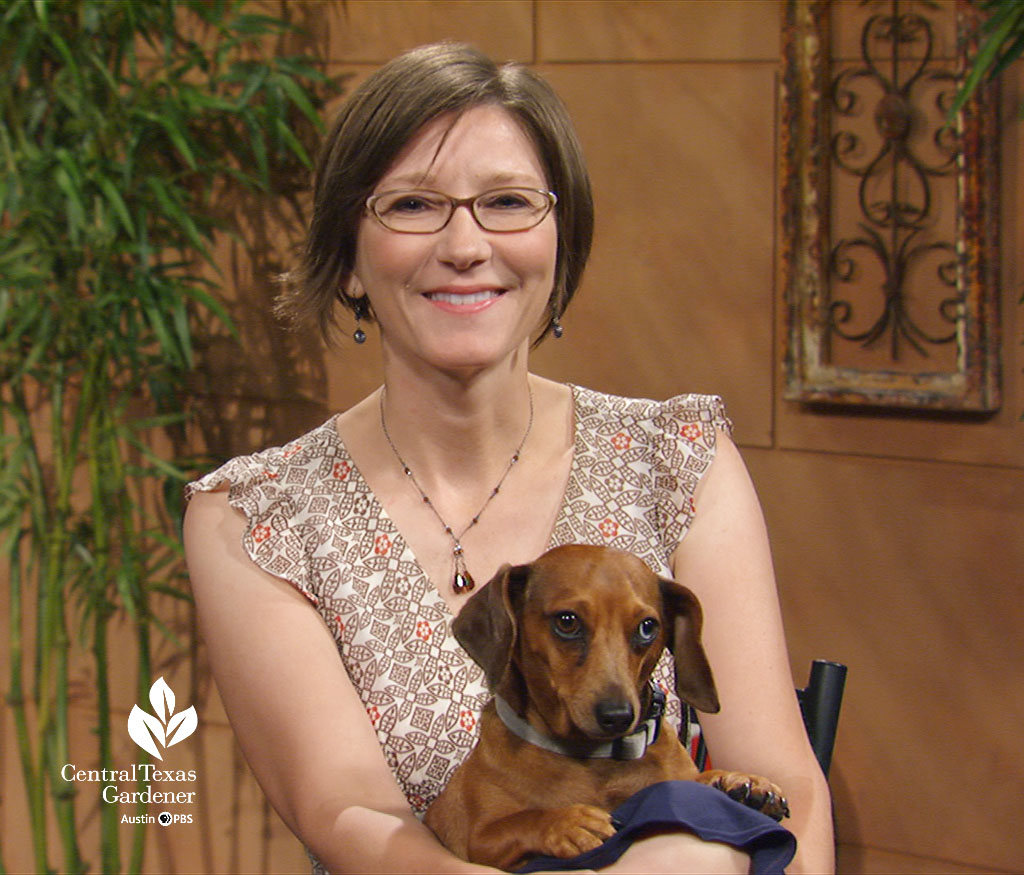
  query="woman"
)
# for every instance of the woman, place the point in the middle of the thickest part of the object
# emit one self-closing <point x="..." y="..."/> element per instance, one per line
<point x="452" y="208"/>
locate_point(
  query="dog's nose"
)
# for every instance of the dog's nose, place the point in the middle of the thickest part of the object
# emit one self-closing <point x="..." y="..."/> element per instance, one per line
<point x="614" y="717"/>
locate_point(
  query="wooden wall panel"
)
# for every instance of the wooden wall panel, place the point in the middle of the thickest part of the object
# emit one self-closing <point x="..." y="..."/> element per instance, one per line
<point x="669" y="30"/>
<point x="874" y="861"/>
<point x="372" y="31"/>
<point x="678" y="294"/>
<point x="911" y="574"/>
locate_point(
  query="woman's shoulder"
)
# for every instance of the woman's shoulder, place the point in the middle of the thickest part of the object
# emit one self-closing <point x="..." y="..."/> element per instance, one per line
<point x="690" y="409"/>
<point x="281" y="492"/>
<point x="272" y="466"/>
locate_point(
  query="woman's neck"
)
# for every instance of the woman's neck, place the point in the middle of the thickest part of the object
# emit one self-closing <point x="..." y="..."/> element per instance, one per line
<point x="456" y="430"/>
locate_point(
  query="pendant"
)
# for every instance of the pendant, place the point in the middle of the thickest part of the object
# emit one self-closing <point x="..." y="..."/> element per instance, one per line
<point x="463" y="581"/>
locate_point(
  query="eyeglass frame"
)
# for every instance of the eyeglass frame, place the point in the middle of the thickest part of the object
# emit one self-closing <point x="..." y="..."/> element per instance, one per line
<point x="456" y="202"/>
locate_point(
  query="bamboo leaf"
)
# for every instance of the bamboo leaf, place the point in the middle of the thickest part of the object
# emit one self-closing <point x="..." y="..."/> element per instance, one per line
<point x="173" y="211"/>
<point x="208" y="301"/>
<point x="1006" y="21"/>
<point x="175" y="133"/>
<point x="20" y="250"/>
<point x="286" y="134"/>
<point x="172" y="592"/>
<point x="66" y="56"/>
<point x="297" y="96"/>
<point x="75" y="208"/>
<point x="127" y="595"/>
<point x="258" y="144"/>
<point x="1002" y="25"/>
<point x="161" y="421"/>
<point x="155" y="320"/>
<point x="252" y="25"/>
<point x="167" y="632"/>
<point x="14" y="9"/>
<point x="1002" y="11"/>
<point x="162" y="465"/>
<point x="1010" y="54"/>
<point x="183" y="332"/>
<point x="253" y="83"/>
<point x="118" y="204"/>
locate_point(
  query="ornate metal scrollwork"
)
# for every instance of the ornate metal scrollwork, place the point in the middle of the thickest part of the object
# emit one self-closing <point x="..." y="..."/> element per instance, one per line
<point x="872" y="174"/>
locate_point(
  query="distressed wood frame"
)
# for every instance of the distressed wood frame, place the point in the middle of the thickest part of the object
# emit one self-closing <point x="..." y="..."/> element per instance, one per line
<point x="804" y="247"/>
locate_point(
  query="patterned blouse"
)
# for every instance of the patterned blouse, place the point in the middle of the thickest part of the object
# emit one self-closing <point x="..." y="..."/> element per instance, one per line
<point x="313" y="521"/>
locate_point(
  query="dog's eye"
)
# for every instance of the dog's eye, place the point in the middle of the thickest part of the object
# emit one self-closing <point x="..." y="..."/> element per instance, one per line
<point x="647" y="631"/>
<point x="567" y="625"/>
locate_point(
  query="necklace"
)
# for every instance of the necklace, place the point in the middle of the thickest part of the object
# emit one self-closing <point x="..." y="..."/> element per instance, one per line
<point x="462" y="580"/>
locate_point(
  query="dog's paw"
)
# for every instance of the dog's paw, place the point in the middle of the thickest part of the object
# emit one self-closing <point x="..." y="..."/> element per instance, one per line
<point x="574" y="830"/>
<point x="753" y="791"/>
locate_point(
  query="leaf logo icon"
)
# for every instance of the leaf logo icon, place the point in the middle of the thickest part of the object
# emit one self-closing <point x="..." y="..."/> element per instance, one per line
<point x="166" y="728"/>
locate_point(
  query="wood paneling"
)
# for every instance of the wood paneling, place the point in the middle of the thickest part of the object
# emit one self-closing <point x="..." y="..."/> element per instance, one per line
<point x="667" y="30"/>
<point x="872" y="861"/>
<point x="678" y="294"/>
<point x="910" y="573"/>
<point x="372" y="31"/>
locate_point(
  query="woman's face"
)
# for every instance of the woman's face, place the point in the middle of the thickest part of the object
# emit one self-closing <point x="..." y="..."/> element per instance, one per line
<point x="462" y="298"/>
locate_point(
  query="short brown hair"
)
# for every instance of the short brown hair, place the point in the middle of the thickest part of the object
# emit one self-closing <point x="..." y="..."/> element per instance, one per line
<point x="381" y="117"/>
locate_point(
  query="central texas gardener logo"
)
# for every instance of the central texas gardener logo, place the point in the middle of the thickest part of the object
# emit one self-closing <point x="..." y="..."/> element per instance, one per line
<point x="152" y="733"/>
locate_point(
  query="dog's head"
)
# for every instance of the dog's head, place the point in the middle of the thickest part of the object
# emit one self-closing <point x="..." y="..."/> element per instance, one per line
<point x="575" y="635"/>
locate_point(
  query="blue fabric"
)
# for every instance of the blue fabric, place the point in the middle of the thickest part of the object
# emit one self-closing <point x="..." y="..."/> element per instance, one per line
<point x="686" y="805"/>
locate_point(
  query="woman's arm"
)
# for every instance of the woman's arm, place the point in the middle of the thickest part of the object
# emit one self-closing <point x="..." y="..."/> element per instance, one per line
<point x="725" y="560"/>
<point x="297" y="717"/>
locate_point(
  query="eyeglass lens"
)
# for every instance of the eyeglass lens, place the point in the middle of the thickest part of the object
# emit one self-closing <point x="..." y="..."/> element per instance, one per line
<point x="423" y="212"/>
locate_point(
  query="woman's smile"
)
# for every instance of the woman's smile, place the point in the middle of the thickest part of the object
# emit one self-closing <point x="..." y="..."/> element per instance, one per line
<point x="464" y="299"/>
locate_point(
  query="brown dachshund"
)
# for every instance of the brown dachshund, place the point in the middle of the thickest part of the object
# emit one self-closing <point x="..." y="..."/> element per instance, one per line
<point x="568" y="644"/>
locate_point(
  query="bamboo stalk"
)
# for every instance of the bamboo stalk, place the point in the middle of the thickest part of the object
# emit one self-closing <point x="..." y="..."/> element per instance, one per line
<point x="16" y="698"/>
<point x="63" y="792"/>
<point x="137" y="607"/>
<point x="99" y="451"/>
<point x="32" y="757"/>
<point x="145" y="679"/>
<point x="57" y="726"/>
<point x="109" y="837"/>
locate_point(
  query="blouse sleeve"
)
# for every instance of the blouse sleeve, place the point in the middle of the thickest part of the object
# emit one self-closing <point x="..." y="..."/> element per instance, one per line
<point x="686" y="429"/>
<point x="276" y="537"/>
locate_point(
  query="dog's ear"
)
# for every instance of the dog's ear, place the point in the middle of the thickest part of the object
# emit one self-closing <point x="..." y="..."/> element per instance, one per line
<point x="486" y="625"/>
<point x="682" y="611"/>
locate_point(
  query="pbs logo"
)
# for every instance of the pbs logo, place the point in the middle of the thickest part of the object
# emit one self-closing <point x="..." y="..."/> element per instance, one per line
<point x="165" y="818"/>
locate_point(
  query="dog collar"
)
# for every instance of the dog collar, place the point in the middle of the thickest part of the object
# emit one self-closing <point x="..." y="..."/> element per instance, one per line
<point x="628" y="747"/>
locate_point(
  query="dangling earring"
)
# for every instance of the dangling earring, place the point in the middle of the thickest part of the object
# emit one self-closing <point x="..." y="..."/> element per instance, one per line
<point x="359" y="336"/>
<point x="556" y="327"/>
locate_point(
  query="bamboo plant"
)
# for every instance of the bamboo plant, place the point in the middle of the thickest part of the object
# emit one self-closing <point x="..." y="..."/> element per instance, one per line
<point x="121" y="123"/>
<point x="1001" y="45"/>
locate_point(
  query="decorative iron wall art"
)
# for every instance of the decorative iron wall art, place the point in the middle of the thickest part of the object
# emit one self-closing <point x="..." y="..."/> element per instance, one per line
<point x="888" y="252"/>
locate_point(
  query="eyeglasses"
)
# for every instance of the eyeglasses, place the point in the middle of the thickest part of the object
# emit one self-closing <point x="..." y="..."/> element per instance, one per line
<point x="420" y="211"/>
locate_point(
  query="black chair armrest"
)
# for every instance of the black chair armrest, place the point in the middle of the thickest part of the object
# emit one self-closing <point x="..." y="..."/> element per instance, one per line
<point x="820" y="702"/>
